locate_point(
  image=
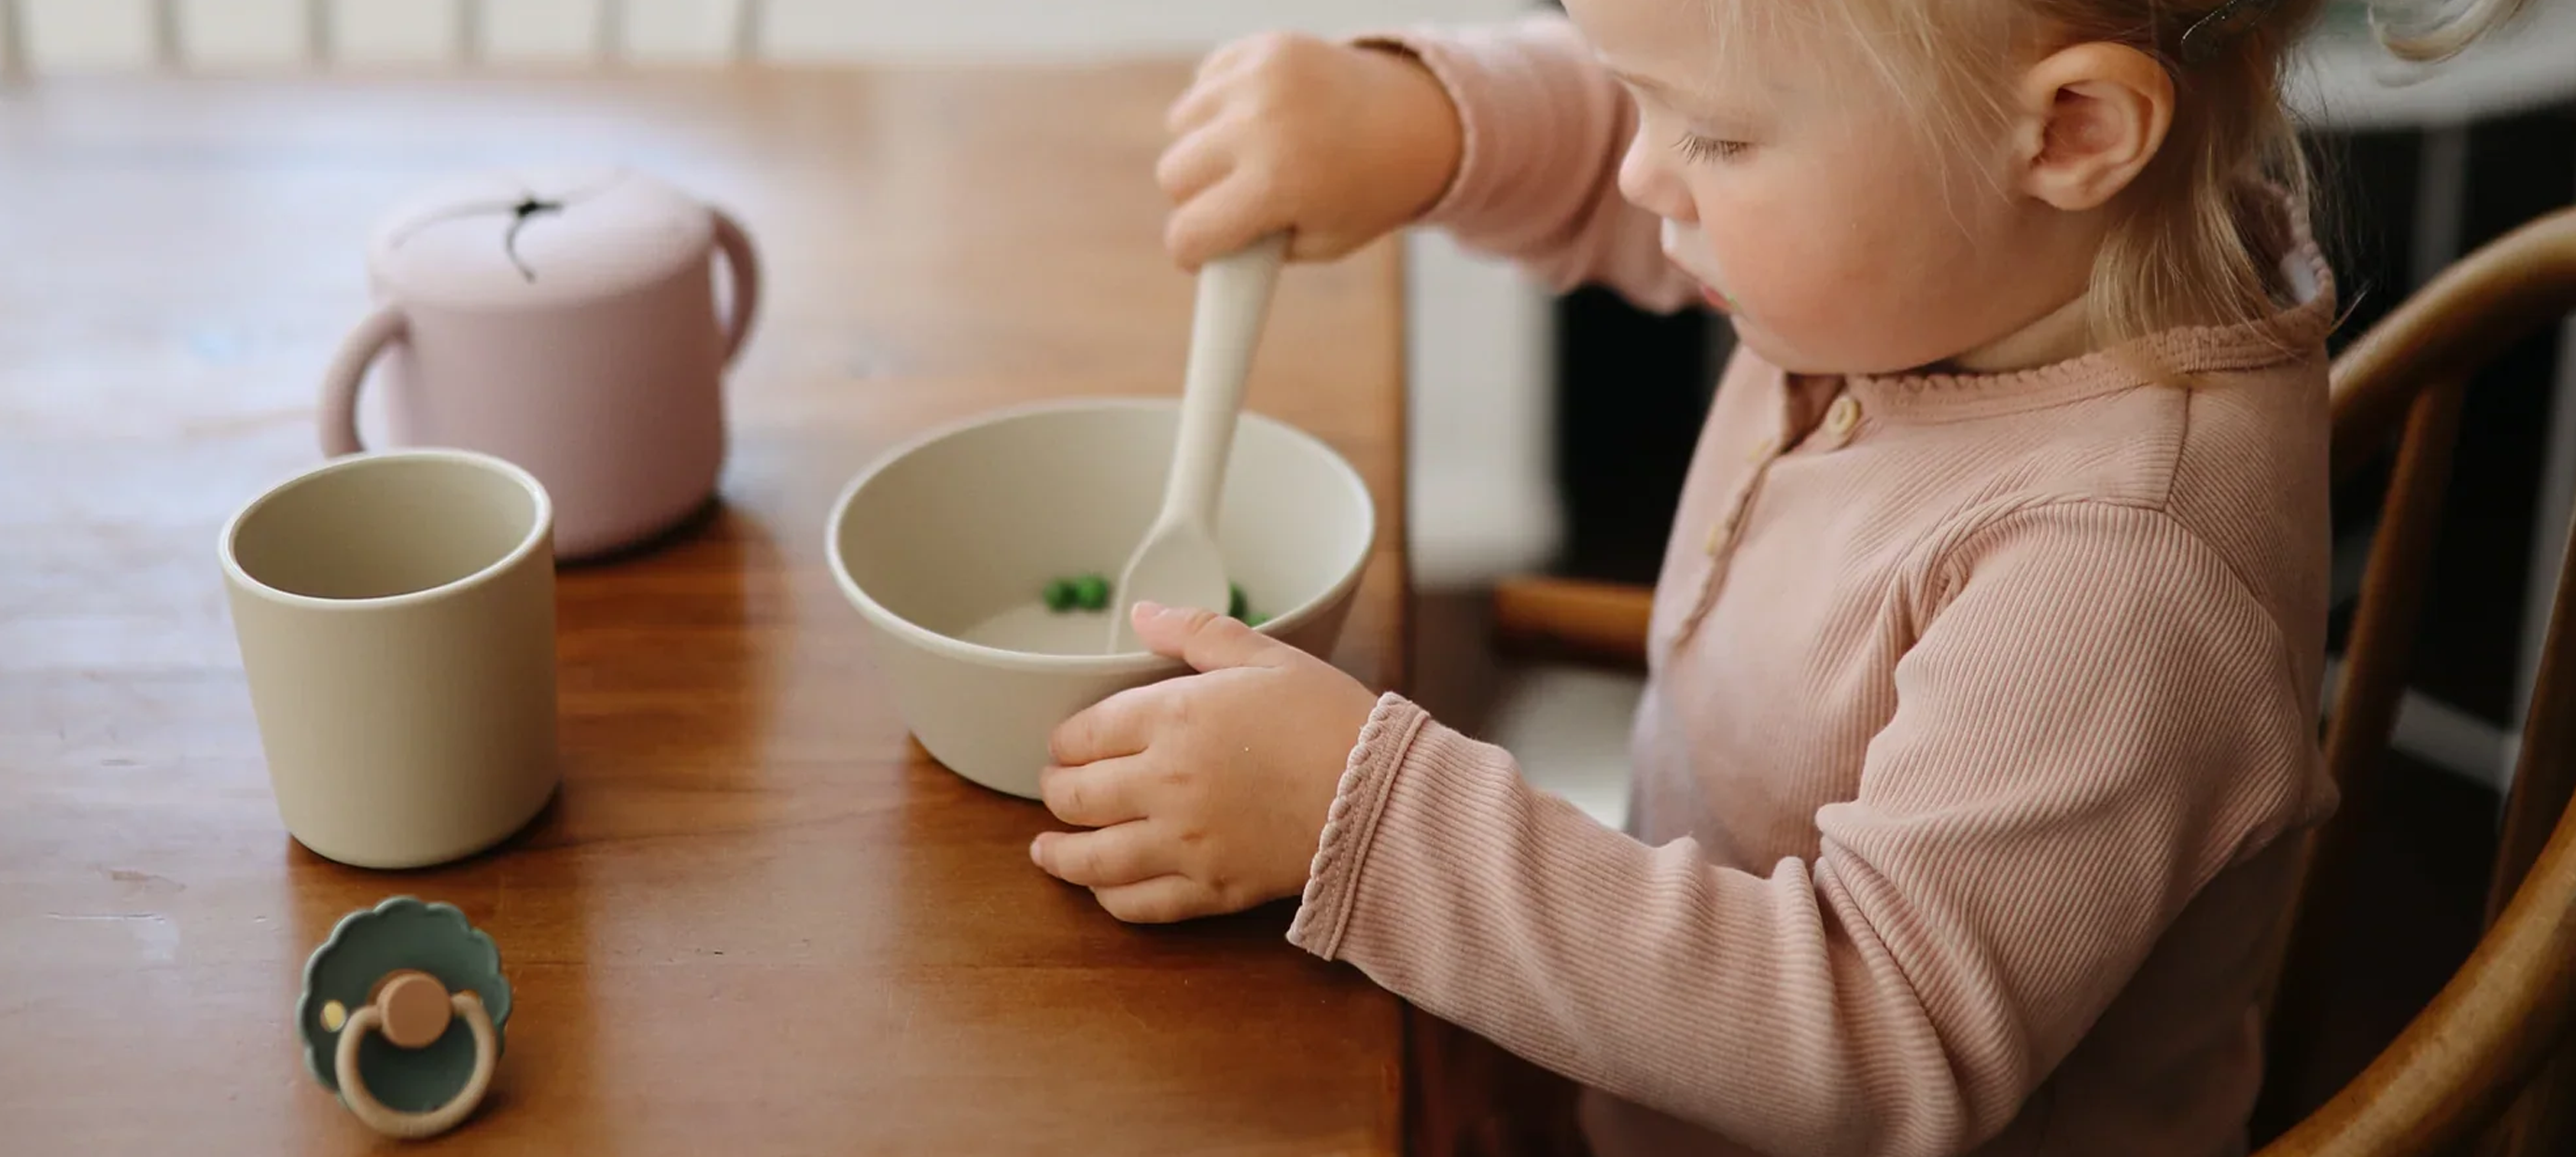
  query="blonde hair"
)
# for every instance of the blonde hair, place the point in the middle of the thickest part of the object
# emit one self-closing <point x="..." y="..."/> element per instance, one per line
<point x="2198" y="237"/>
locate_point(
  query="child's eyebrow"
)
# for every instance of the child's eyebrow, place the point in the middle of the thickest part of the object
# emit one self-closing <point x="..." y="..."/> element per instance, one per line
<point x="1647" y="83"/>
<point x="1678" y="97"/>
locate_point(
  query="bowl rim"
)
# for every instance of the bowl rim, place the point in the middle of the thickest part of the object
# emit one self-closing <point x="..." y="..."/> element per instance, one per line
<point x="1124" y="662"/>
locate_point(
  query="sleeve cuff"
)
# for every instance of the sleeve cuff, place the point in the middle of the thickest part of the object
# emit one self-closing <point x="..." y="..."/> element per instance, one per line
<point x="1491" y="77"/>
<point x="1436" y="57"/>
<point x="1368" y="777"/>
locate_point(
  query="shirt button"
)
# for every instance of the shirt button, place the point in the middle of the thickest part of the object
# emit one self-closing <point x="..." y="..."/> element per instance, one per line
<point x="1842" y="416"/>
<point x="1761" y="451"/>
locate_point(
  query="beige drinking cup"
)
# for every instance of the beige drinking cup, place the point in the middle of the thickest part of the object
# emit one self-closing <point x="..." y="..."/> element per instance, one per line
<point x="395" y="612"/>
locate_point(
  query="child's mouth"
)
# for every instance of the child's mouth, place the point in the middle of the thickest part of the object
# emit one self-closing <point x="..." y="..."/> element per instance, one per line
<point x="1684" y="247"/>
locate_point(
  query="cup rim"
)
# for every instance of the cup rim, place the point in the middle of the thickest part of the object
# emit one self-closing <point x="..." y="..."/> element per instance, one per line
<point x="1121" y="663"/>
<point x="540" y="526"/>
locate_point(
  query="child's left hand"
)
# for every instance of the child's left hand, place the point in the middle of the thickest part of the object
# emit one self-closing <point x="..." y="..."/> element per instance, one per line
<point x="1209" y="791"/>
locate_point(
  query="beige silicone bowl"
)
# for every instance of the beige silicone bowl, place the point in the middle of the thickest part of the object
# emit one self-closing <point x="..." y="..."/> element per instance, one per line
<point x="972" y="521"/>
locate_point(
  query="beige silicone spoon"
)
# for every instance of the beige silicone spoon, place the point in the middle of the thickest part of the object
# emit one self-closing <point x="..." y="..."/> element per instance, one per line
<point x="1178" y="563"/>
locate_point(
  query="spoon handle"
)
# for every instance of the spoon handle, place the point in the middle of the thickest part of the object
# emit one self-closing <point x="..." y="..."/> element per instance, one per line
<point x="1233" y="299"/>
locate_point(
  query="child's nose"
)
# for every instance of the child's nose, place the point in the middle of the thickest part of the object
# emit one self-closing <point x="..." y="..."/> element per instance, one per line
<point x="1647" y="182"/>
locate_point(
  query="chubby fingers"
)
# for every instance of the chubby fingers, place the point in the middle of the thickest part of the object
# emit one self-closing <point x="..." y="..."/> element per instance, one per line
<point x="1219" y="75"/>
<point x="1238" y="207"/>
<point x="1162" y="900"/>
<point x="1108" y="858"/>
<point x="1198" y="106"/>
<point x="1195" y="162"/>
<point x="1119" y="725"/>
<point x="1230" y="56"/>
<point x="1206" y="640"/>
<point x="1094" y="795"/>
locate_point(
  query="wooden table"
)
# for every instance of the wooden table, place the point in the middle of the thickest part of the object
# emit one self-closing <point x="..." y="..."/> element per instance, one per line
<point x="757" y="919"/>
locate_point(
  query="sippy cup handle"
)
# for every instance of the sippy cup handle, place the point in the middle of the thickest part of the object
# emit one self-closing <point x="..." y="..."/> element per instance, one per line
<point x="348" y="368"/>
<point x="742" y="261"/>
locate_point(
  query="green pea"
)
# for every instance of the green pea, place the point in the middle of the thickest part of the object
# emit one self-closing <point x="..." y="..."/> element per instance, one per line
<point x="1060" y="595"/>
<point x="1236" y="606"/>
<point x="1091" y="592"/>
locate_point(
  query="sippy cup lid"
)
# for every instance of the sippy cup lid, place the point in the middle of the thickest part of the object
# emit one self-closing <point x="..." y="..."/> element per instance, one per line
<point x="537" y="237"/>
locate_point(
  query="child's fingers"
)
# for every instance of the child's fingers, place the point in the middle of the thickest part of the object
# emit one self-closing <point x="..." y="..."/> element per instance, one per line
<point x="1161" y="900"/>
<point x="1094" y="795"/>
<point x="1115" y="726"/>
<point x="1318" y="245"/>
<point x="1205" y="640"/>
<point x="1107" y="858"/>
<point x="1195" y="107"/>
<point x="1195" y="162"/>
<point x="1222" y="218"/>
<point x="1224" y="58"/>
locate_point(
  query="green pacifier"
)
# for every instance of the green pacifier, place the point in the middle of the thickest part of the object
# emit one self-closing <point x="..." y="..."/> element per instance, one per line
<point x="401" y="1015"/>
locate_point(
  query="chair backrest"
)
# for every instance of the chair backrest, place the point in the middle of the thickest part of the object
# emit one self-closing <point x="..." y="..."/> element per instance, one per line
<point x="2459" y="1066"/>
<point x="168" y="42"/>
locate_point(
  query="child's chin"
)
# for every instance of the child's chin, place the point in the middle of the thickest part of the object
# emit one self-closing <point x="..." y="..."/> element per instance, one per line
<point x="1765" y="345"/>
<point x="1787" y="356"/>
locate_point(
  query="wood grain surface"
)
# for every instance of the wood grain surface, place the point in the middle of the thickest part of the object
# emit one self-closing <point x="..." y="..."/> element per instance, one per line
<point x="757" y="919"/>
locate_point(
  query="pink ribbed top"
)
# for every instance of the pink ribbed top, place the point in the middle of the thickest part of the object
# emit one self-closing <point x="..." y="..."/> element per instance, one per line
<point x="1981" y="723"/>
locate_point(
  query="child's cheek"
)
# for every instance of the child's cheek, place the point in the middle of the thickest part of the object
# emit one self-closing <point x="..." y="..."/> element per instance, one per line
<point x="1784" y="304"/>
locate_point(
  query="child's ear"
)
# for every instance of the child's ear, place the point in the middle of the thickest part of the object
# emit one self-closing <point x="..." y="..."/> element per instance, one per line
<point x="2091" y="117"/>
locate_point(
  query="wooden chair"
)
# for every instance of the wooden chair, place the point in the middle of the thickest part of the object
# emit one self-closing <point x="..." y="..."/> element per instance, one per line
<point x="2489" y="1056"/>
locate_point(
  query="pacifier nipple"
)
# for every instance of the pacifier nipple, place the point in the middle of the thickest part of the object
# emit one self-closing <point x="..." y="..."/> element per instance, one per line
<point x="415" y="1008"/>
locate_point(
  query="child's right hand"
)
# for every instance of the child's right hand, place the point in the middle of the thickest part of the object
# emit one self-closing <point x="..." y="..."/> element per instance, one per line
<point x="1338" y="144"/>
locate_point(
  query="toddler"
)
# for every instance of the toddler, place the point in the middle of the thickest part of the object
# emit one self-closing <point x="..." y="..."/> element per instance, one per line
<point x="1981" y="734"/>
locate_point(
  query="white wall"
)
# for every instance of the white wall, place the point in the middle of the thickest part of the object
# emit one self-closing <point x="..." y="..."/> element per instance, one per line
<point x="1482" y="500"/>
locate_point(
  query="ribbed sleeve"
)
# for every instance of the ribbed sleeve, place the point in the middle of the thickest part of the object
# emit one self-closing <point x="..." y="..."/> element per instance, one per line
<point x="1538" y="178"/>
<point x="2095" y="719"/>
<point x="1357" y="802"/>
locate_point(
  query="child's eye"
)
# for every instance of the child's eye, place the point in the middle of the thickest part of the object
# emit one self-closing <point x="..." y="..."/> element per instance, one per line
<point x="1699" y="148"/>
